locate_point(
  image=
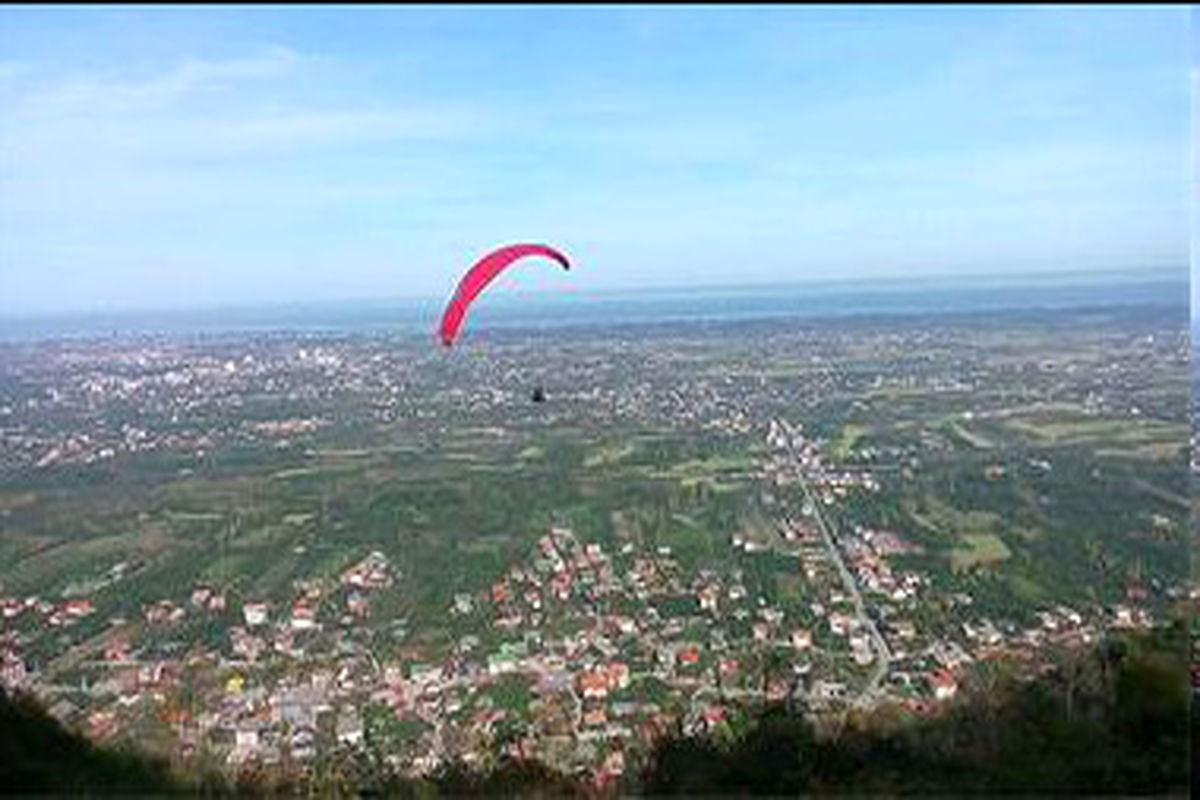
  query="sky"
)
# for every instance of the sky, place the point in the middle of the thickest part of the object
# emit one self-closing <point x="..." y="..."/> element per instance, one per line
<point x="1194" y="36"/>
<point x="170" y="157"/>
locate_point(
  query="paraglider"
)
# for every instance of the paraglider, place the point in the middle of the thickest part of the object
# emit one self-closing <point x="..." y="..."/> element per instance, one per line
<point x="480" y="275"/>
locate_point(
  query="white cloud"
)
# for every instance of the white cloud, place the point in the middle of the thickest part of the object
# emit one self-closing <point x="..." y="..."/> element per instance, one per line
<point x="59" y="146"/>
<point x="91" y="97"/>
<point x="68" y="122"/>
<point x="108" y="177"/>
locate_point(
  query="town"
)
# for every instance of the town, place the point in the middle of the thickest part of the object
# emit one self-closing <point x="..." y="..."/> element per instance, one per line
<point x="274" y="549"/>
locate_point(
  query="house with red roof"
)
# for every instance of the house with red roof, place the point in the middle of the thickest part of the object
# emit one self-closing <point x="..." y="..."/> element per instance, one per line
<point x="943" y="684"/>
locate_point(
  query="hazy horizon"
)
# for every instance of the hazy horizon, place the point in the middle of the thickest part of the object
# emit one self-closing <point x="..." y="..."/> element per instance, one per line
<point x="508" y="293"/>
<point x="523" y="308"/>
<point x="201" y="157"/>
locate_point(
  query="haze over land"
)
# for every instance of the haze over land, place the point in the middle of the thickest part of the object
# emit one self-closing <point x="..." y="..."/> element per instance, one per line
<point x="526" y="307"/>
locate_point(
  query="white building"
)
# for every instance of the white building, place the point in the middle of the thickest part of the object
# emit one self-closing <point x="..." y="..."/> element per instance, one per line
<point x="255" y="614"/>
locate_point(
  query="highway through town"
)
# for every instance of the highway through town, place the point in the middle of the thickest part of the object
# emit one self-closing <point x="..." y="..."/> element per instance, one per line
<point x="882" y="651"/>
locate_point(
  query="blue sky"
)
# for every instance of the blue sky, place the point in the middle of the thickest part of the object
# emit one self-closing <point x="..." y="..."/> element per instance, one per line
<point x="170" y="157"/>
<point x="1194" y="36"/>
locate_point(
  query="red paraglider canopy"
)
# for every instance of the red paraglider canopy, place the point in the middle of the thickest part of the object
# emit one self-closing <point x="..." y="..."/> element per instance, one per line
<point x="483" y="273"/>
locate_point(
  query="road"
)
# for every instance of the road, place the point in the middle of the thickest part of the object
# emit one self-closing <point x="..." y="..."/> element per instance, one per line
<point x="883" y="653"/>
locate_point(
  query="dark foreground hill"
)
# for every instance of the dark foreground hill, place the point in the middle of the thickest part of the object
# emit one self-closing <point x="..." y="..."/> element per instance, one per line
<point x="1111" y="721"/>
<point x="1114" y="720"/>
<point x="38" y="755"/>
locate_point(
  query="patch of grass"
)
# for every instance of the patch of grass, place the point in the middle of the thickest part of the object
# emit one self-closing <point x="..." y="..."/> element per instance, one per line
<point x="847" y="438"/>
<point x="1073" y="430"/>
<point x="485" y="544"/>
<point x="608" y="455"/>
<point x="1154" y="451"/>
<point x="511" y="693"/>
<point x="946" y="520"/>
<point x="791" y="587"/>
<point x="226" y="567"/>
<point x="264" y="536"/>
<point x="1027" y="533"/>
<point x="704" y="468"/>
<point x="980" y="550"/>
<point x="298" y="472"/>
<point x="969" y="436"/>
<point x="11" y="501"/>
<point x="194" y="516"/>
<point x="623" y="525"/>
<point x="711" y="484"/>
<point x="1026" y="589"/>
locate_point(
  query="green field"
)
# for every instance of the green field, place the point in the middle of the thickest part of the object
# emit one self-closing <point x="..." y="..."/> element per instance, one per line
<point x="970" y="436"/>
<point x="949" y="522"/>
<point x="978" y="550"/>
<point x="1130" y="434"/>
<point x="847" y="438"/>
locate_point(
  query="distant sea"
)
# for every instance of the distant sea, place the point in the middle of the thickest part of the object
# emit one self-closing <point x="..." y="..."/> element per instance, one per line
<point x="1168" y="289"/>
